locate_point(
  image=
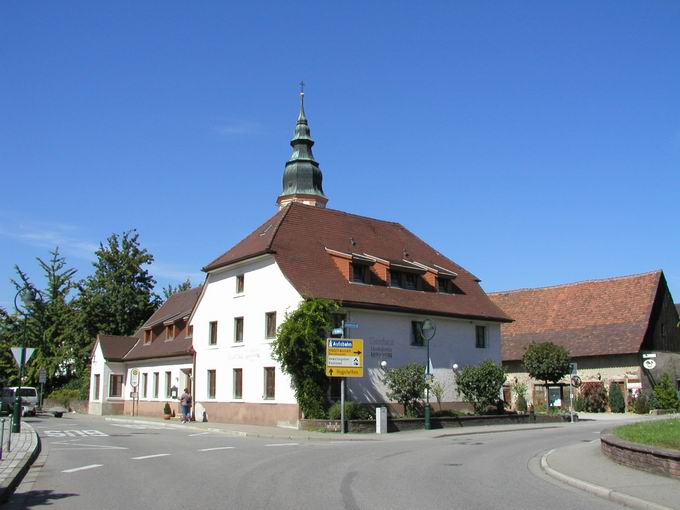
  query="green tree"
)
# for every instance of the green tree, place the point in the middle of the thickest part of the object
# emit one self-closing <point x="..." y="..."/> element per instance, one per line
<point x="617" y="402"/>
<point x="300" y="347"/>
<point x="665" y="393"/>
<point x="546" y="362"/>
<point x="8" y="332"/>
<point x="119" y="296"/>
<point x="406" y="385"/>
<point x="170" y="290"/>
<point x="49" y="322"/>
<point x="481" y="385"/>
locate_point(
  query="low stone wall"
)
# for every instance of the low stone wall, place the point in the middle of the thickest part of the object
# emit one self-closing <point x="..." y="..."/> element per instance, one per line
<point x="78" y="406"/>
<point x="648" y="458"/>
<point x="401" y="424"/>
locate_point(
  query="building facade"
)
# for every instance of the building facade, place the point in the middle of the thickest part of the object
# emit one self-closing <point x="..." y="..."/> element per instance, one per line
<point x="610" y="327"/>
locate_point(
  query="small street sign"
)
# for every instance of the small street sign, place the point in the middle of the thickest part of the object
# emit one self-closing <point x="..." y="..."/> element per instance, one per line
<point x="16" y="352"/>
<point x="649" y="355"/>
<point x="576" y="381"/>
<point x="337" y="331"/>
<point x="134" y="377"/>
<point x="649" y="364"/>
<point x="134" y="394"/>
<point x="351" y="325"/>
<point x="344" y="357"/>
<point x="573" y="367"/>
<point x="42" y="376"/>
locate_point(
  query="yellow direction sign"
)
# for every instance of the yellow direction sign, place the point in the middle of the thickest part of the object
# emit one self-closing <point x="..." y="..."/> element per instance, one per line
<point x="344" y="357"/>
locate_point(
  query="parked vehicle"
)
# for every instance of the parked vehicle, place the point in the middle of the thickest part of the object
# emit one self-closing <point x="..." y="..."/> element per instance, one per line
<point x="29" y="399"/>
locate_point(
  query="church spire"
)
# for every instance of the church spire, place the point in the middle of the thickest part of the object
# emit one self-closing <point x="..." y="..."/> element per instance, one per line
<point x="302" y="178"/>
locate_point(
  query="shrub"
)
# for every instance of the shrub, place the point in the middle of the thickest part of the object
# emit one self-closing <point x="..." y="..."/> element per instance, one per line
<point x="640" y="404"/>
<point x="665" y="393"/>
<point x="437" y="390"/>
<point x="579" y="404"/>
<point x="448" y="413"/>
<point x="353" y="411"/>
<point x="406" y="385"/>
<point x="166" y="409"/>
<point x="616" y="401"/>
<point x="520" y="391"/>
<point x="594" y="397"/>
<point x="481" y="385"/>
<point x="64" y="396"/>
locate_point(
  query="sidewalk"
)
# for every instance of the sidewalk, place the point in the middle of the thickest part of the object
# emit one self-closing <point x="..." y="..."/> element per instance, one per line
<point x="241" y="430"/>
<point x="25" y="447"/>
<point x="584" y="466"/>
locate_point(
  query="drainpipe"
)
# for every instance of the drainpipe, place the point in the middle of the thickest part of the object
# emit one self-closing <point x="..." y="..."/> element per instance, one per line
<point x="193" y="388"/>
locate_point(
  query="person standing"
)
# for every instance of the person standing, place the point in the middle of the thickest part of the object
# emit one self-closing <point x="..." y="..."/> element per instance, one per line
<point x="185" y="401"/>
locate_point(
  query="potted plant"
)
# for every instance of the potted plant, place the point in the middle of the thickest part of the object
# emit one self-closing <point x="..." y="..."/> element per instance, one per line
<point x="167" y="412"/>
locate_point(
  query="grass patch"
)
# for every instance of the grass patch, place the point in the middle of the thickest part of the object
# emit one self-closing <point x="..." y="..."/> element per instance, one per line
<point x="661" y="433"/>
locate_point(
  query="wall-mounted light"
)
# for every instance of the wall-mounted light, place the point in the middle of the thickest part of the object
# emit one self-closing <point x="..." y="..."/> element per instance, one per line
<point x="383" y="365"/>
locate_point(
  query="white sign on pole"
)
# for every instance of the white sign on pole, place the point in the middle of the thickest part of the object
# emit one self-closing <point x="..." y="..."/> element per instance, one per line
<point x="649" y="364"/>
<point x="134" y="377"/>
<point x="16" y="352"/>
<point x="42" y="376"/>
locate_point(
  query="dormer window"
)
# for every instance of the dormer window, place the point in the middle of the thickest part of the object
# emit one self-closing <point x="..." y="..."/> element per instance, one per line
<point x="446" y="286"/>
<point x="360" y="273"/>
<point x="148" y="336"/>
<point x="169" y="331"/>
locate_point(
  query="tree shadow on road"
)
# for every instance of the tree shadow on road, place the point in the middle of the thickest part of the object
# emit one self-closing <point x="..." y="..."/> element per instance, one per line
<point x="36" y="499"/>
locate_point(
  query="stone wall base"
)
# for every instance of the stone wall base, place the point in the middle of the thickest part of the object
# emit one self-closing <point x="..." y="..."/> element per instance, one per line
<point x="648" y="458"/>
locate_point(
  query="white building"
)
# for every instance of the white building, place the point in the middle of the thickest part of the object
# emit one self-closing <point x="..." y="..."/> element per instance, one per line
<point x="385" y="279"/>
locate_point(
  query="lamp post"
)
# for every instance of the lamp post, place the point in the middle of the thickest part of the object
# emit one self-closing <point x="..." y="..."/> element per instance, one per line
<point x="428" y="330"/>
<point x="27" y="294"/>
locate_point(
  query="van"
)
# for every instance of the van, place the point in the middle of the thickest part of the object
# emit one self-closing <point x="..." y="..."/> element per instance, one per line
<point x="29" y="399"/>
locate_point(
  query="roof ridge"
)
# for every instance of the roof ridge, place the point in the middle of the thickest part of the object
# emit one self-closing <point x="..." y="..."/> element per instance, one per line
<point x="345" y="213"/>
<point x="580" y="282"/>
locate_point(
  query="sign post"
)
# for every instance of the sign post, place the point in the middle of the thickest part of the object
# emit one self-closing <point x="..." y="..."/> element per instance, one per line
<point x="572" y="372"/>
<point x="21" y="355"/>
<point x="134" y="382"/>
<point x="344" y="358"/>
<point x="42" y="379"/>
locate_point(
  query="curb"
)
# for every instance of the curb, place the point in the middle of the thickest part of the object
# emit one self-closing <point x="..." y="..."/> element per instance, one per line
<point x="237" y="433"/>
<point x="597" y="490"/>
<point x="10" y="484"/>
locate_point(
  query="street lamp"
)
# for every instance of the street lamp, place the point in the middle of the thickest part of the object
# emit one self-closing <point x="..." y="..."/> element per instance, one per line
<point x="27" y="295"/>
<point x="383" y="365"/>
<point x="428" y="329"/>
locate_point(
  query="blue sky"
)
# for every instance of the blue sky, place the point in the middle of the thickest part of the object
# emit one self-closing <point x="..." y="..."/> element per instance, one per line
<point x="534" y="143"/>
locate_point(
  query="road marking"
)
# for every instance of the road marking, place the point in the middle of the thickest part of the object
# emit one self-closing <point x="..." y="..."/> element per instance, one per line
<point x="83" y="446"/>
<point x="283" y="444"/>
<point x="151" y="456"/>
<point x="74" y="433"/>
<point x="217" y="448"/>
<point x="91" y="466"/>
<point x="199" y="434"/>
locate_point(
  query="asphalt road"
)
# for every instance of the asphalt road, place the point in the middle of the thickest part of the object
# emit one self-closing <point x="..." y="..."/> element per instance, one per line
<point x="89" y="463"/>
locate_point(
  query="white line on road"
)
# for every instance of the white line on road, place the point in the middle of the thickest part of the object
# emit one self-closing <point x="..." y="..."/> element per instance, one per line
<point x="199" y="434"/>
<point x="283" y="444"/>
<point x="217" y="448"/>
<point x="151" y="456"/>
<point x="91" y="466"/>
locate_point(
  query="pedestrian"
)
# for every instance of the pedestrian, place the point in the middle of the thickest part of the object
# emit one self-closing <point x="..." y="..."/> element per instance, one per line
<point x="185" y="401"/>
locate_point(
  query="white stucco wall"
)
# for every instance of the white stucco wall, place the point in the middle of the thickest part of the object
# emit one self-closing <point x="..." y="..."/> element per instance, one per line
<point x="388" y="336"/>
<point x="265" y="290"/>
<point x="160" y="366"/>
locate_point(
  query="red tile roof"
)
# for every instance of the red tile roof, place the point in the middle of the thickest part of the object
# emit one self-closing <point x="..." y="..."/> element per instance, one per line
<point x="116" y="347"/>
<point x="177" y="306"/>
<point x="298" y="236"/>
<point x="590" y="318"/>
